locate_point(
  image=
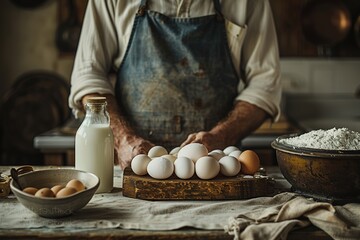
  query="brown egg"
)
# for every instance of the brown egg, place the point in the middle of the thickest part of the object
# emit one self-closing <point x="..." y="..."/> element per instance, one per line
<point x="30" y="190"/>
<point x="57" y="188"/>
<point x="44" y="192"/>
<point x="66" y="191"/>
<point x="74" y="183"/>
<point x="250" y="162"/>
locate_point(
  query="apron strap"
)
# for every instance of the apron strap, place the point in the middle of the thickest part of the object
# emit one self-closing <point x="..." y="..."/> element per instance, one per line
<point x="142" y="8"/>
<point x="143" y="3"/>
<point x="217" y="7"/>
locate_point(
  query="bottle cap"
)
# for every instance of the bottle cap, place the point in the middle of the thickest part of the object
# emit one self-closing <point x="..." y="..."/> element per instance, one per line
<point x="95" y="100"/>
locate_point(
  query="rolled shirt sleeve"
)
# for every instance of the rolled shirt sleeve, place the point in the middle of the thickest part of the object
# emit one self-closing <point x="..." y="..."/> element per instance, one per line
<point x="259" y="62"/>
<point x="96" y="49"/>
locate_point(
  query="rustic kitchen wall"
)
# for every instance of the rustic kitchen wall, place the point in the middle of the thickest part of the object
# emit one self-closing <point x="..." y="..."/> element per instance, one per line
<point x="28" y="42"/>
<point x="321" y="75"/>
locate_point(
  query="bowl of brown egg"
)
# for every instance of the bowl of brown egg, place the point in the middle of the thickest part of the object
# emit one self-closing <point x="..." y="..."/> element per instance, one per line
<point x="54" y="193"/>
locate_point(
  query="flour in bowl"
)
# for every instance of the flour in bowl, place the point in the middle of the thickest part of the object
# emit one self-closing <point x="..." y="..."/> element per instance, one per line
<point x="332" y="139"/>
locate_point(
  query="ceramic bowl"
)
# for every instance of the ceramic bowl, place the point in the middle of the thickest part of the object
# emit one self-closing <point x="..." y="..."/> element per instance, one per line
<point x="55" y="207"/>
<point x="329" y="175"/>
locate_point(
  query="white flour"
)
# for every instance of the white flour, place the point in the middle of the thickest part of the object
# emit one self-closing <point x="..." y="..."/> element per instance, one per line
<point x="332" y="139"/>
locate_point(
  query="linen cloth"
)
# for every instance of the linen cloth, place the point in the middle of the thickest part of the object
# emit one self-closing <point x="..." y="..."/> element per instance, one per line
<point x="257" y="218"/>
<point x="273" y="218"/>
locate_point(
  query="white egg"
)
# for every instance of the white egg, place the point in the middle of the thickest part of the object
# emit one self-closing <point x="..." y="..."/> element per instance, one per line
<point x="217" y="154"/>
<point x="229" y="166"/>
<point x="230" y="149"/>
<point x="235" y="153"/>
<point x="207" y="167"/>
<point x="184" y="167"/>
<point x="160" y="168"/>
<point x="175" y="151"/>
<point x="157" y="151"/>
<point x="139" y="164"/>
<point x="194" y="151"/>
<point x="172" y="158"/>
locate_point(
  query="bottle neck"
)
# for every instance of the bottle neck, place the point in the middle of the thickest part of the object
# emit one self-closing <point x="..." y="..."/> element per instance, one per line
<point x="96" y="114"/>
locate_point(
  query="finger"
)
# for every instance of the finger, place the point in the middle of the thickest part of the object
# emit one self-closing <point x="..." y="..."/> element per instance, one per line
<point x="199" y="137"/>
<point x="203" y="138"/>
<point x="140" y="150"/>
<point x="116" y="158"/>
<point x="189" y="139"/>
<point x="147" y="146"/>
<point x="124" y="164"/>
<point x="197" y="140"/>
<point x="136" y="150"/>
<point x="143" y="148"/>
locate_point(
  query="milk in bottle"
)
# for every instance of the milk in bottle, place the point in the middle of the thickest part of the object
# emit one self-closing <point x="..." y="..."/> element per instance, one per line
<point x="94" y="144"/>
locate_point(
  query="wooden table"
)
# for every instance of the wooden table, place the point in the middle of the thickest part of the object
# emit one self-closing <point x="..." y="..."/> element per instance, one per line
<point x="309" y="233"/>
<point x="186" y="233"/>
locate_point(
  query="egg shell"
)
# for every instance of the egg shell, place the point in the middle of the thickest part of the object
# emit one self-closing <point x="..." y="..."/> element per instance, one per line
<point x="157" y="151"/>
<point x="207" y="167"/>
<point x="160" y="168"/>
<point x="235" y="153"/>
<point x="194" y="151"/>
<point x="66" y="191"/>
<point x="229" y="166"/>
<point x="30" y="190"/>
<point x="230" y="149"/>
<point x="57" y="188"/>
<point x="170" y="157"/>
<point x="250" y="162"/>
<point x="77" y="184"/>
<point x="217" y="154"/>
<point x="44" y="192"/>
<point x="175" y="151"/>
<point x="139" y="164"/>
<point x="184" y="167"/>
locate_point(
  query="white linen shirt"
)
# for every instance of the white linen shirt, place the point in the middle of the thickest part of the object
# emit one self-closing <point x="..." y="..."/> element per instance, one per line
<point x="250" y="31"/>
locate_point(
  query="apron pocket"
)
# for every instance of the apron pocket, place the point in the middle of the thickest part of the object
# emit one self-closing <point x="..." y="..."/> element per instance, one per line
<point x="235" y="35"/>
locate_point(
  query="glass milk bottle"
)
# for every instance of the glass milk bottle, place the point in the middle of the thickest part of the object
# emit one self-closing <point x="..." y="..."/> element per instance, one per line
<point x="94" y="144"/>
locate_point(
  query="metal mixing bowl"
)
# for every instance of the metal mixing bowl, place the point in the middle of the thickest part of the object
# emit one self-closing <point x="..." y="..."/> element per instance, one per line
<point x="327" y="175"/>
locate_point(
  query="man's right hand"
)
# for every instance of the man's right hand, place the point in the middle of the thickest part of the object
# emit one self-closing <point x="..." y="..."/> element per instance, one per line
<point x="128" y="147"/>
<point x="126" y="143"/>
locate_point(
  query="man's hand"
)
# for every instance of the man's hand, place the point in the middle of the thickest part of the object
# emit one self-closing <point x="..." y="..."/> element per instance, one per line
<point x="128" y="147"/>
<point x="240" y="122"/>
<point x="209" y="140"/>
<point x="126" y="143"/>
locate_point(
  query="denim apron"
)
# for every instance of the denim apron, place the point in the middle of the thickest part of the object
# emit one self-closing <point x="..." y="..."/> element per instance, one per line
<point x="177" y="76"/>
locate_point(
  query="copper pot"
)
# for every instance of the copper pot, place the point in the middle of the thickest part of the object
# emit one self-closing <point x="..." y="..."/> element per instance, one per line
<point x="327" y="175"/>
<point x="357" y="31"/>
<point x="326" y="22"/>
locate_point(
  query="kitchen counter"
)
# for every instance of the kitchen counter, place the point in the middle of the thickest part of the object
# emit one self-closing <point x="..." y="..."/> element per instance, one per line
<point x="323" y="111"/>
<point x="55" y="228"/>
<point x="58" y="144"/>
<point x="64" y="137"/>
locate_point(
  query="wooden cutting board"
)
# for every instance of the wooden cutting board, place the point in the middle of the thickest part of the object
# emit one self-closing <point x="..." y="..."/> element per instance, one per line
<point x="173" y="188"/>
